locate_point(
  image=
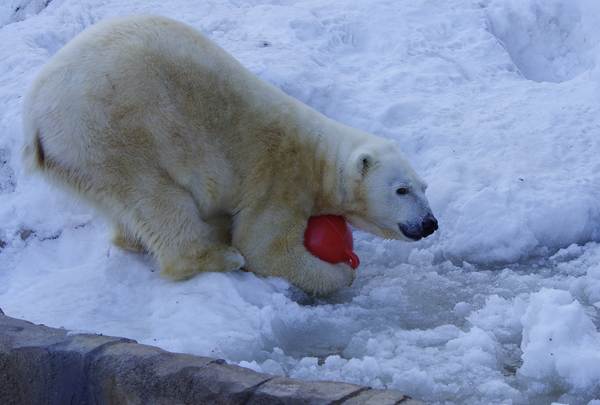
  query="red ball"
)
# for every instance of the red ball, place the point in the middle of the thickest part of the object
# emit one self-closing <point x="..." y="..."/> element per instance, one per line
<point x="329" y="238"/>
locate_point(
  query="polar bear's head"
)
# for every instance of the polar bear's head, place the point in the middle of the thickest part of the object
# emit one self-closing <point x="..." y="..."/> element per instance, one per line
<point x="389" y="195"/>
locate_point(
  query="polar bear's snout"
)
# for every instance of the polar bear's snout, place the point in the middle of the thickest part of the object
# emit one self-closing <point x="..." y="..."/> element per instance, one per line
<point x="416" y="232"/>
<point x="429" y="225"/>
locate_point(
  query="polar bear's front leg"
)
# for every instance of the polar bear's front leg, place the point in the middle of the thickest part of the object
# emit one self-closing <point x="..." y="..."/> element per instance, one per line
<point x="273" y="245"/>
<point x="315" y="276"/>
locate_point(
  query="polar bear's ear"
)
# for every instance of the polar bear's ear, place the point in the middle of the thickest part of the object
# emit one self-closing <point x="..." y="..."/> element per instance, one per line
<point x="363" y="162"/>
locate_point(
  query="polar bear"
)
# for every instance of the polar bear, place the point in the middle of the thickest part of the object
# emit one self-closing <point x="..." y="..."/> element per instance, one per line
<point x="194" y="159"/>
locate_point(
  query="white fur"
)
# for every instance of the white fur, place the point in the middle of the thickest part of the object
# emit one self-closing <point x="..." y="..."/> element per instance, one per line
<point x="192" y="157"/>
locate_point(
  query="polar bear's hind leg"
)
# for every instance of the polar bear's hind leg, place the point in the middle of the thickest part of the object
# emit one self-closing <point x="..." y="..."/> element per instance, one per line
<point x="124" y="239"/>
<point x="159" y="216"/>
<point x="170" y="224"/>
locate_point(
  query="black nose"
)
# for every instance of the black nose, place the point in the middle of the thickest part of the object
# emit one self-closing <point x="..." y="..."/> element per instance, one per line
<point x="430" y="225"/>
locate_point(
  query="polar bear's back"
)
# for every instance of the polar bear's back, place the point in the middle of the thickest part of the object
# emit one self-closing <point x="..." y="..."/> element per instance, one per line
<point x="139" y="68"/>
<point x="144" y="90"/>
<point x="138" y="95"/>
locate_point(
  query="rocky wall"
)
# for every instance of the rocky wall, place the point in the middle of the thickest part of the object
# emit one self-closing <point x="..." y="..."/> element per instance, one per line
<point x="42" y="365"/>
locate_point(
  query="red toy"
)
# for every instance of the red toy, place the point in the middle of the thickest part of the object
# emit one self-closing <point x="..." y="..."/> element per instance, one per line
<point x="329" y="238"/>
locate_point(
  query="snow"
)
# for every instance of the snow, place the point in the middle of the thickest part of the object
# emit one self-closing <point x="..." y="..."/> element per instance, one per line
<point x="496" y="104"/>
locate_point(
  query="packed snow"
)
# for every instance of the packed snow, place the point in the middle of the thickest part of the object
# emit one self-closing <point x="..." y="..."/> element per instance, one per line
<point x="497" y="105"/>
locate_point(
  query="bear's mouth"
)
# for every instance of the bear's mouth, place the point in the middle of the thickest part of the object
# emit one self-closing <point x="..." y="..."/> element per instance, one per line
<point x="409" y="235"/>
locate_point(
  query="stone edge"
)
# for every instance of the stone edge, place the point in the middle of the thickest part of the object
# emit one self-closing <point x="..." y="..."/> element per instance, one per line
<point x="42" y="365"/>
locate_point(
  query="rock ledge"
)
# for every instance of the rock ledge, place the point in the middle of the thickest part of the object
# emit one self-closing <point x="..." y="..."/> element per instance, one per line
<point x="42" y="365"/>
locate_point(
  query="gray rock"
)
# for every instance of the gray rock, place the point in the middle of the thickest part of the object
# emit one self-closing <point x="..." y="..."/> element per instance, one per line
<point x="380" y="397"/>
<point x="41" y="365"/>
<point x="291" y="392"/>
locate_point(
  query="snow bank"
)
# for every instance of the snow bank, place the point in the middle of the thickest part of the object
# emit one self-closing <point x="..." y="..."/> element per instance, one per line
<point x="549" y="41"/>
<point x="560" y="343"/>
<point x="496" y="104"/>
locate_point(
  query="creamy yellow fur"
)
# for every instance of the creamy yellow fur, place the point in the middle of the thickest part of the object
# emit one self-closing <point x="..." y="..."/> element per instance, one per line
<point x="195" y="159"/>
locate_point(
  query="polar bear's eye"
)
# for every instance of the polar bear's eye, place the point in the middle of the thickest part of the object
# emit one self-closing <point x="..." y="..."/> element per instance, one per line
<point x="401" y="191"/>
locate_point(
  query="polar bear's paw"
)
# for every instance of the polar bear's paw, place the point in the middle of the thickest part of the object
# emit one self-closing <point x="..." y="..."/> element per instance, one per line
<point x="126" y="241"/>
<point x="343" y="276"/>
<point x="326" y="278"/>
<point x="229" y="259"/>
<point x="219" y="258"/>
